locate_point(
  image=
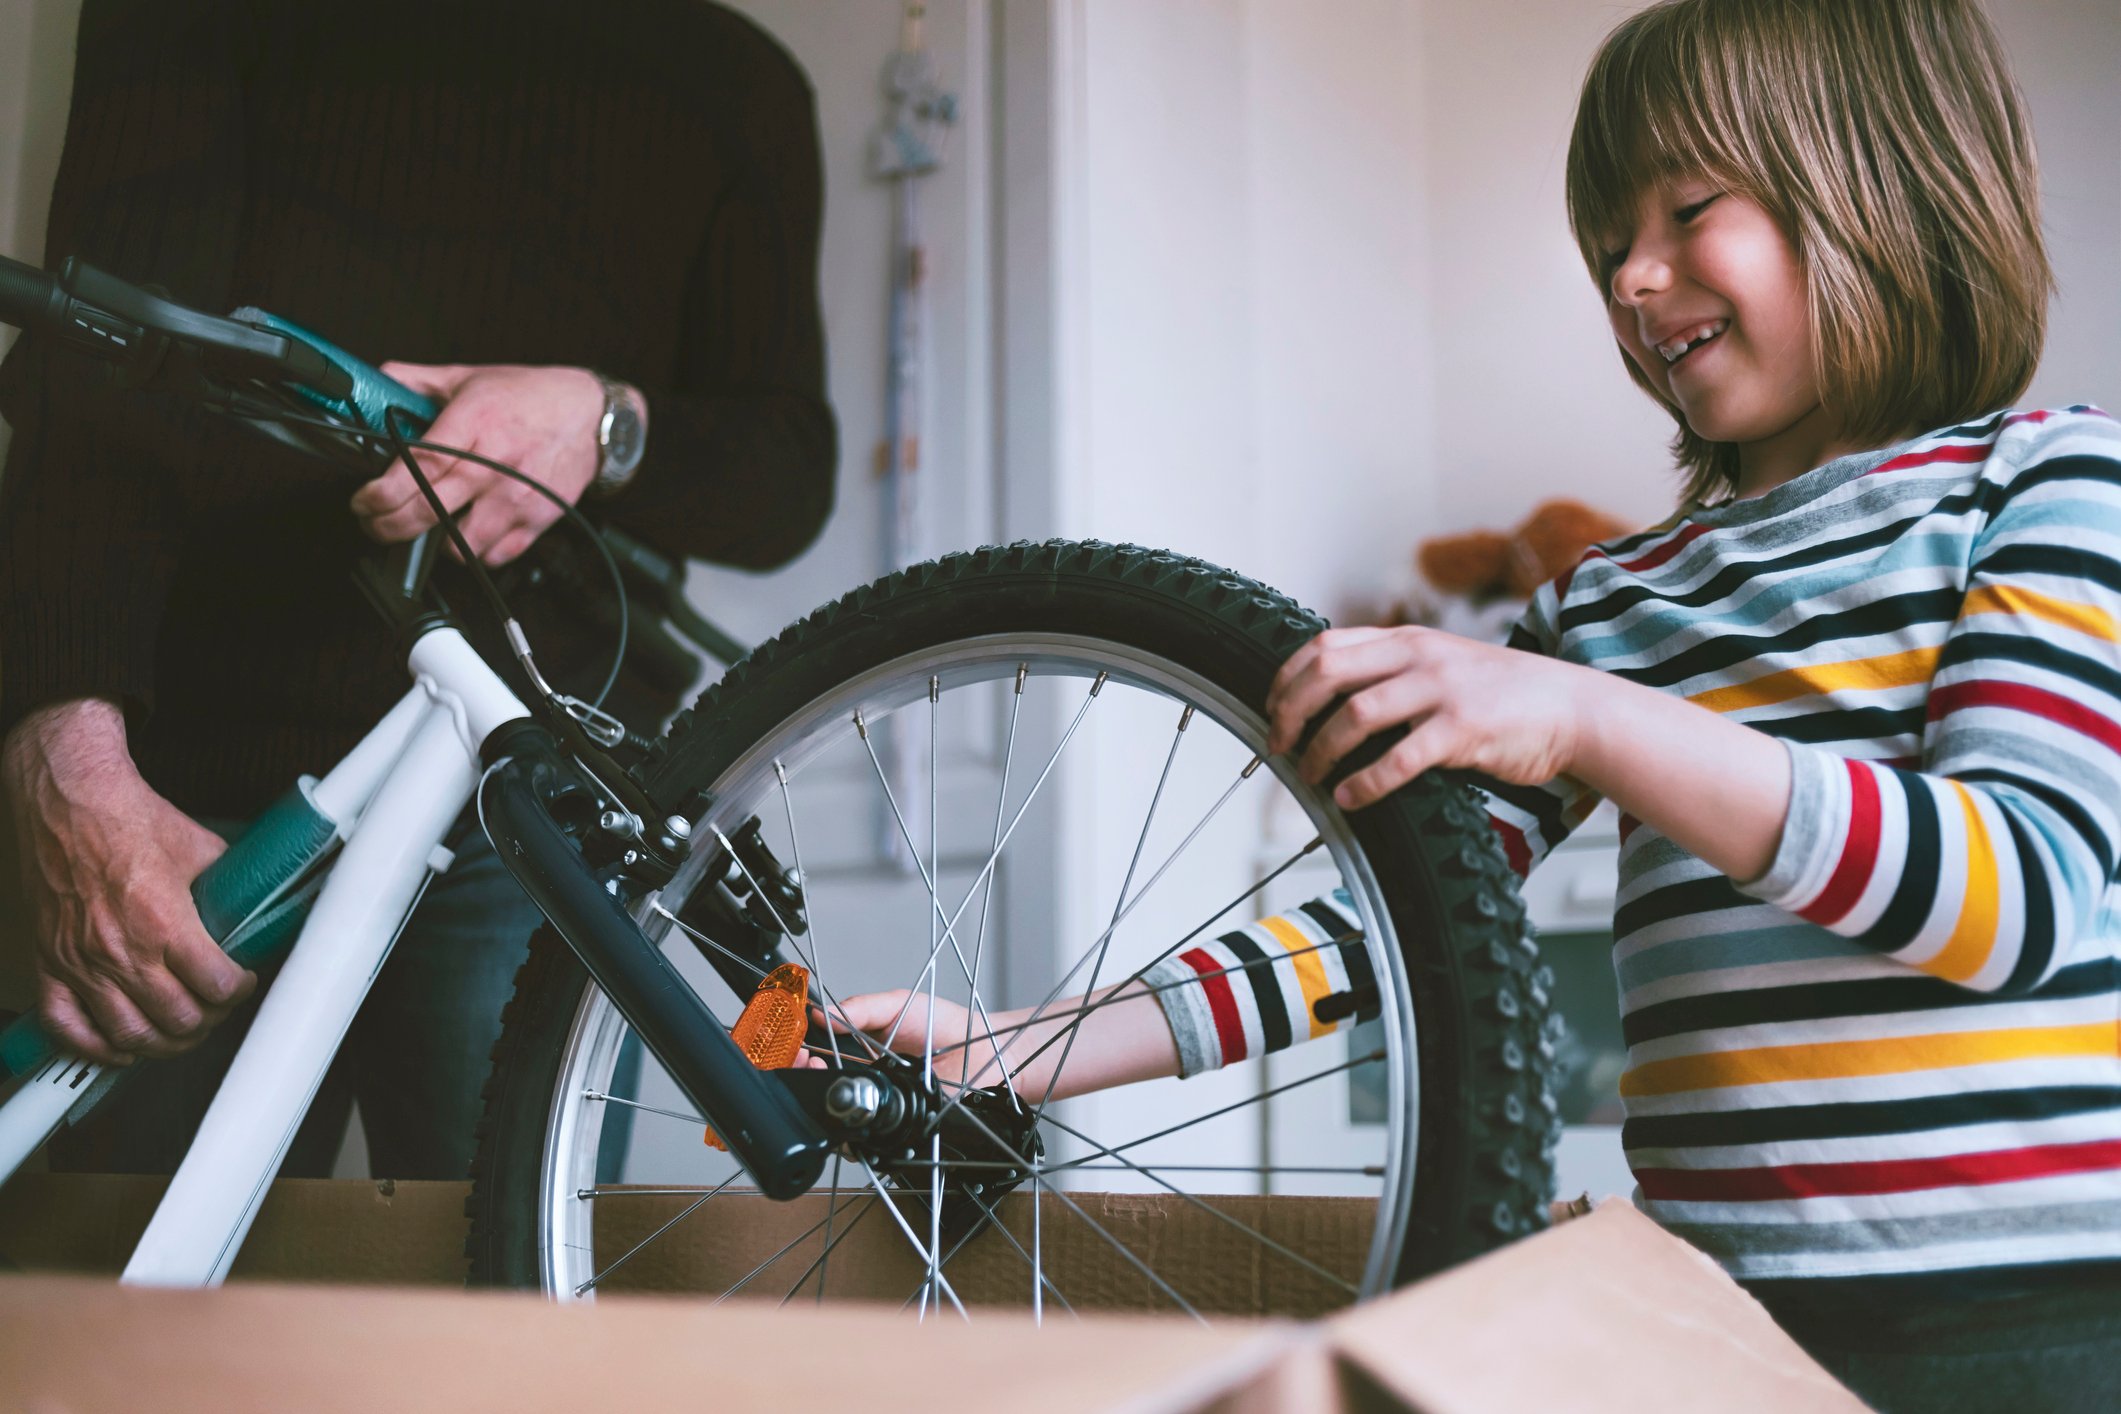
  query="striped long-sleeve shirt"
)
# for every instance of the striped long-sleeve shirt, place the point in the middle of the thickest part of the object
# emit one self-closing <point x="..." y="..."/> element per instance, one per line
<point x="1897" y="1055"/>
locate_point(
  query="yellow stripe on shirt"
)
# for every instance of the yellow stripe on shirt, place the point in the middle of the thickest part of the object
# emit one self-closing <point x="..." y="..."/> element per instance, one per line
<point x="1310" y="971"/>
<point x="1817" y="679"/>
<point x="1974" y="935"/>
<point x="1833" y="1060"/>
<point x="2016" y="599"/>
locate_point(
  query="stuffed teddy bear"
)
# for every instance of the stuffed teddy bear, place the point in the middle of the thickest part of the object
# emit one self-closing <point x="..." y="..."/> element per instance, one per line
<point x="1482" y="564"/>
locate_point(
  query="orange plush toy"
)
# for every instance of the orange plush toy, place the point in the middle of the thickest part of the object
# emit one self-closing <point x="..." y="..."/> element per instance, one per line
<point x="1482" y="564"/>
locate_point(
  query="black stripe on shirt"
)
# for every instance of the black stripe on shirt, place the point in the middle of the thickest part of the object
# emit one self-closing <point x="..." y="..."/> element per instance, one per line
<point x="1690" y="897"/>
<point x="1856" y="1119"/>
<point x="1896" y="613"/>
<point x="2038" y="948"/>
<point x="1868" y="996"/>
<point x="1258" y="969"/>
<point x="2058" y="800"/>
<point x="1913" y="895"/>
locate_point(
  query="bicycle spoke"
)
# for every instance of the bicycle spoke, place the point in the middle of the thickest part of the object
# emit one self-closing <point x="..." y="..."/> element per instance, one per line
<point x="1040" y="1181"/>
<point x="1116" y="994"/>
<point x="758" y="891"/>
<point x="817" y="937"/>
<point x="1246" y="1228"/>
<point x="1053" y="995"/>
<point x="994" y="1221"/>
<point x="637" y="1105"/>
<point x="785" y="1248"/>
<point x="935" y="911"/>
<point x="690" y="1209"/>
<point x="587" y="1194"/>
<point x="1040" y="1011"/>
<point x="757" y="971"/>
<point x="817" y="1263"/>
<point x="1263" y="1096"/>
<point x="1001" y="803"/>
<point x="1185" y="719"/>
<point x="950" y="925"/>
<point x="832" y="1203"/>
<point x="907" y="1229"/>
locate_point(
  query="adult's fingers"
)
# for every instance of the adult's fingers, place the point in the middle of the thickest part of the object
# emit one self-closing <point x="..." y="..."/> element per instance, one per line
<point x="1388" y="702"/>
<point x="119" y="1020"/>
<point x="458" y="426"/>
<point x="498" y="520"/>
<point x="214" y="978"/>
<point x="68" y="1023"/>
<point x="461" y="486"/>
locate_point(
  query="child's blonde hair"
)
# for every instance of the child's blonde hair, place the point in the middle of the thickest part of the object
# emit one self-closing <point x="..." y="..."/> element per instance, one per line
<point x="1889" y="140"/>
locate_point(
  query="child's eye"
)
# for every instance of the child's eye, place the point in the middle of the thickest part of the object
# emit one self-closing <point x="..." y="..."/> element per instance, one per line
<point x="1686" y="214"/>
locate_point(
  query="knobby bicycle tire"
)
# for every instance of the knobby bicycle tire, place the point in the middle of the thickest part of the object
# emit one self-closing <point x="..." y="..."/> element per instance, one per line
<point x="1483" y="1032"/>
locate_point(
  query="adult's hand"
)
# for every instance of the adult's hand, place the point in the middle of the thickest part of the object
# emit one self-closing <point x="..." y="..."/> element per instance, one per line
<point x="124" y="966"/>
<point x="540" y="420"/>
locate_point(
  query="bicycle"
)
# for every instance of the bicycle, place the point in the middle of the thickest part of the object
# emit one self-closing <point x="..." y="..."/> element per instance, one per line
<point x="671" y="876"/>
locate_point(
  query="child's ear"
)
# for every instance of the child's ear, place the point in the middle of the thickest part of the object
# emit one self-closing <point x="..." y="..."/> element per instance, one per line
<point x="1472" y="564"/>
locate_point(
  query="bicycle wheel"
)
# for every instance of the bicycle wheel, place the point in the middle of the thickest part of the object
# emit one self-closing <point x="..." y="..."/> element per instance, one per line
<point x="1426" y="1132"/>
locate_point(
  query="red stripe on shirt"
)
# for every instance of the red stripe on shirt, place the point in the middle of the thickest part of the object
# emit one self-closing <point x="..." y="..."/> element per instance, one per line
<point x="1514" y="848"/>
<point x="2019" y="697"/>
<point x="1978" y="452"/>
<point x="1755" y="1185"/>
<point x="1229" y="1026"/>
<point x="1651" y="560"/>
<point x="1859" y="852"/>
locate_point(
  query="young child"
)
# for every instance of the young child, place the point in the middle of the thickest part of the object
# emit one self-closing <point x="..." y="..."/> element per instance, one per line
<point x="1859" y="703"/>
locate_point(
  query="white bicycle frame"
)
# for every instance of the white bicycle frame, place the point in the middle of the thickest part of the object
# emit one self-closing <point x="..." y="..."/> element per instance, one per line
<point x="391" y="801"/>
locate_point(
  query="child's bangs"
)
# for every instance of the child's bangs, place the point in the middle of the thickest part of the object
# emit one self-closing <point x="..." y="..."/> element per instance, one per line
<point x="1653" y="110"/>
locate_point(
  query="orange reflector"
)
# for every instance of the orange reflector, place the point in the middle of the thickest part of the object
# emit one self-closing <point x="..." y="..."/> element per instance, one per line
<point x="771" y="1030"/>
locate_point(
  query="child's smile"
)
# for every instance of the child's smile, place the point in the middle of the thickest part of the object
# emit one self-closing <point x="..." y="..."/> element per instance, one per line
<point x="1707" y="296"/>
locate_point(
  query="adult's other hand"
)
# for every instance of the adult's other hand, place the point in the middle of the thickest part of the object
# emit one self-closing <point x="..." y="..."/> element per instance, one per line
<point x="124" y="966"/>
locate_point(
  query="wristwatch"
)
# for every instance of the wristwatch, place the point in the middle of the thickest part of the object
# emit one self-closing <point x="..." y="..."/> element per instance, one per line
<point x="619" y="440"/>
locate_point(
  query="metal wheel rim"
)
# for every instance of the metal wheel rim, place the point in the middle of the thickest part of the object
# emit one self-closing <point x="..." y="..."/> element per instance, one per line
<point x="574" y="1124"/>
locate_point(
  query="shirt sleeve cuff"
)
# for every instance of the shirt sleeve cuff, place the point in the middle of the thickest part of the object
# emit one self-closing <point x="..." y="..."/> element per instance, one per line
<point x="1185" y="1006"/>
<point x="1812" y="830"/>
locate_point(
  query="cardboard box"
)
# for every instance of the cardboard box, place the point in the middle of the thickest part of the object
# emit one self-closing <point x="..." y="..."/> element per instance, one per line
<point x="1605" y="1313"/>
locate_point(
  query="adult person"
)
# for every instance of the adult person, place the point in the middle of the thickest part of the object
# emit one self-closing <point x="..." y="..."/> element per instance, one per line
<point x="560" y="219"/>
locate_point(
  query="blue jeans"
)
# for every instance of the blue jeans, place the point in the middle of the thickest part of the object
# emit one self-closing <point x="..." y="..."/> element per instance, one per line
<point x="416" y="1057"/>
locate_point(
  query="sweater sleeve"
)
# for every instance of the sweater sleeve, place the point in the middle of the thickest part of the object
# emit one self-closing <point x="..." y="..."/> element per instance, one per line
<point x="1989" y="865"/>
<point x="1531" y="821"/>
<point x="742" y="445"/>
<point x="92" y="503"/>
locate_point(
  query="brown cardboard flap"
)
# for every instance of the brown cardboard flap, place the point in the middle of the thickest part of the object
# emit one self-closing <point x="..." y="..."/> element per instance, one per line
<point x="1608" y="1312"/>
<point x="79" y="1344"/>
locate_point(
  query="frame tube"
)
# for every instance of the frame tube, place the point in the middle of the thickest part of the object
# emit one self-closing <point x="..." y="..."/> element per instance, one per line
<point x="214" y="1197"/>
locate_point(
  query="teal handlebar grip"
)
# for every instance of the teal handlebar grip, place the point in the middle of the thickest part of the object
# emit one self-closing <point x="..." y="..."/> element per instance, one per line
<point x="236" y="899"/>
<point x="373" y="395"/>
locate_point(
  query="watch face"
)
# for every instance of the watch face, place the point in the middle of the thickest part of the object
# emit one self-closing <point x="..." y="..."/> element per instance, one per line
<point x="620" y="433"/>
<point x="625" y="433"/>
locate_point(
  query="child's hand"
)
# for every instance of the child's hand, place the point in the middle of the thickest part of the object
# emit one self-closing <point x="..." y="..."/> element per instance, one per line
<point x="873" y="1013"/>
<point x="1513" y="715"/>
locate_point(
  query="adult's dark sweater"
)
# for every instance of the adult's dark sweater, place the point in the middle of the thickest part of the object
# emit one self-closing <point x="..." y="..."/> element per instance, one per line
<point x="629" y="187"/>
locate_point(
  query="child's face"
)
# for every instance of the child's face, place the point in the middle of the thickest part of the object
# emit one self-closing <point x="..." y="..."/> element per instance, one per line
<point x="1702" y="260"/>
